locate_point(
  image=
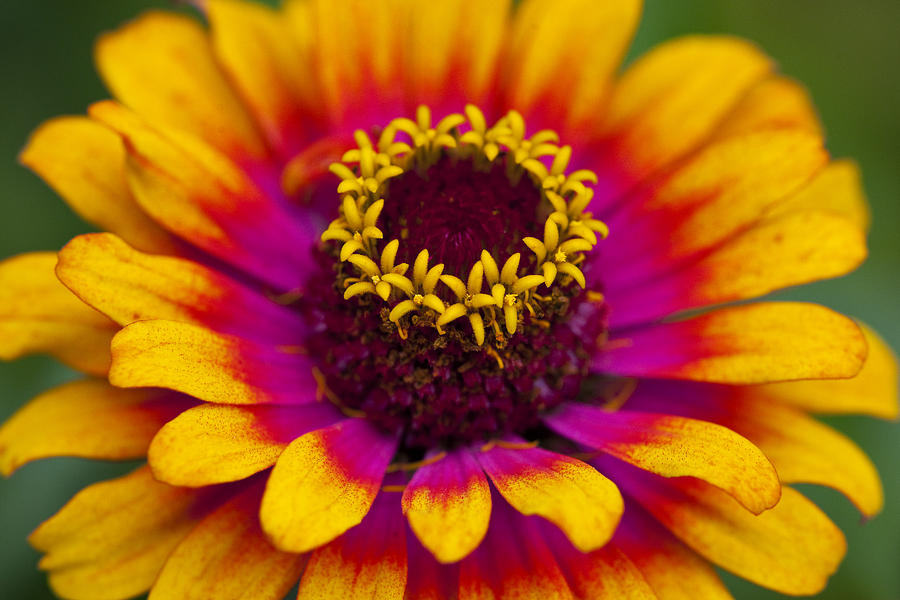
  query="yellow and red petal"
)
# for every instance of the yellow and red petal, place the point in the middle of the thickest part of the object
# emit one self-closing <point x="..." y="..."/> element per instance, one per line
<point x="605" y="574"/>
<point x="324" y="483"/>
<point x="513" y="563"/>
<point x="792" y="548"/>
<point x="674" y="446"/>
<point x="162" y="66"/>
<point x="115" y="535"/>
<point x="452" y="53"/>
<point x="874" y="391"/>
<point x="802" y="449"/>
<point x="198" y="193"/>
<point x="426" y="578"/>
<point x="807" y="451"/>
<point x="86" y="418"/>
<point x="836" y="189"/>
<point x="722" y="190"/>
<point x="227" y="556"/>
<point x="674" y="571"/>
<point x="85" y="163"/>
<point x="778" y="252"/>
<point x="255" y="48"/>
<point x="566" y="491"/>
<point x="672" y="98"/>
<point x="39" y="315"/>
<point x="754" y="343"/>
<point x="217" y="443"/>
<point x="561" y="58"/>
<point x="210" y="366"/>
<point x="448" y="505"/>
<point x="128" y="285"/>
<point x="369" y="561"/>
<point x="774" y="103"/>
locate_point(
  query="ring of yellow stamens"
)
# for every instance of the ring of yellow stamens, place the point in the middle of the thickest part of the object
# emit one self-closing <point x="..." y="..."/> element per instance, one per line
<point x="569" y="232"/>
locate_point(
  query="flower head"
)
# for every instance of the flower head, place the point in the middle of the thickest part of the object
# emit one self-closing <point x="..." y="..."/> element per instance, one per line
<point x="425" y="301"/>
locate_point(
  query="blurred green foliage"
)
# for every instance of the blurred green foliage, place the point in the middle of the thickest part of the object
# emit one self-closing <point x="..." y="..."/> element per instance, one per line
<point x="845" y="52"/>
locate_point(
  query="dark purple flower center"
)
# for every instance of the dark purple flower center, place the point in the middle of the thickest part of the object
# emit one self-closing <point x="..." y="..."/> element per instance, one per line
<point x="441" y="390"/>
<point x="456" y="212"/>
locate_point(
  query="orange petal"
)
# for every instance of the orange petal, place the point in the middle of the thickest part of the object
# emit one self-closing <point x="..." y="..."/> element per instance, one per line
<point x="227" y="556"/>
<point x="721" y="191"/>
<point x="209" y="366"/>
<point x="562" y="56"/>
<point x="129" y="286"/>
<point x="369" y="561"/>
<point x="753" y="343"/>
<point x="38" y="314"/>
<point x="215" y="443"/>
<point x="792" y="548"/>
<point x="448" y="504"/>
<point x="774" y="103"/>
<point x="115" y="535"/>
<point x="676" y="447"/>
<point x="674" y="571"/>
<point x="200" y="194"/>
<point x="565" y="491"/>
<point x="323" y="484"/>
<point x="836" y="189"/>
<point x="85" y="163"/>
<point x="781" y="251"/>
<point x="874" y="391"/>
<point x="162" y="66"/>
<point x="86" y="418"/>
<point x="254" y="47"/>
<point x="672" y="98"/>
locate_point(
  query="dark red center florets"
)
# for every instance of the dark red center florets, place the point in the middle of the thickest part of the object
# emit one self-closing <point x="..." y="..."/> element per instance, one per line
<point x="442" y="390"/>
<point x="456" y="212"/>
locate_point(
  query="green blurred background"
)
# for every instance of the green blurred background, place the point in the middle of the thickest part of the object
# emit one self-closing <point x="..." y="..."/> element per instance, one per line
<point x="846" y="52"/>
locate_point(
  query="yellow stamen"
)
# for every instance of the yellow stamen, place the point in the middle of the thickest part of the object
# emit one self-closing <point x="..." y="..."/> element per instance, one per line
<point x="365" y="175"/>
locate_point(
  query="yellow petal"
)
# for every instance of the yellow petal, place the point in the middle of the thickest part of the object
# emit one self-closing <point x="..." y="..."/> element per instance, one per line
<point x="129" y="286"/>
<point x="85" y="163"/>
<point x="448" y="505"/>
<point x="569" y="493"/>
<point x="804" y="450"/>
<point x="210" y="366"/>
<point x="673" y="446"/>
<point x="792" y="548"/>
<point x="564" y="54"/>
<point x="215" y="443"/>
<point x="670" y="100"/>
<point x="199" y="193"/>
<point x="781" y="251"/>
<point x="227" y="556"/>
<point x="774" y="103"/>
<point x="254" y="47"/>
<point x="323" y="484"/>
<point x="836" y="189"/>
<point x="753" y="343"/>
<point x="674" y="571"/>
<point x="115" y="535"/>
<point x="87" y="418"/>
<point x="874" y="391"/>
<point x="368" y="561"/>
<point x="38" y="314"/>
<point x="162" y="66"/>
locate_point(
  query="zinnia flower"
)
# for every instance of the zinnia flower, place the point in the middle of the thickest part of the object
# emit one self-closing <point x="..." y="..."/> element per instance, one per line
<point x="423" y="300"/>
